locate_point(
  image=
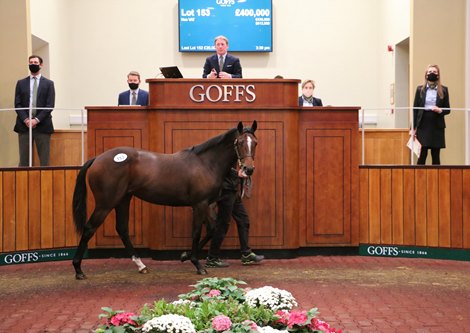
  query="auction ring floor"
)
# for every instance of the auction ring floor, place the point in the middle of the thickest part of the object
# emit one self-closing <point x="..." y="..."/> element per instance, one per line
<point x="356" y="294"/>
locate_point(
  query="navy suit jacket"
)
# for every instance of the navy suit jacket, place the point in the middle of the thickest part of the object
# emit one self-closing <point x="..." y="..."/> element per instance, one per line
<point x="142" y="98"/>
<point x="45" y="98"/>
<point x="231" y="65"/>
<point x="316" y="101"/>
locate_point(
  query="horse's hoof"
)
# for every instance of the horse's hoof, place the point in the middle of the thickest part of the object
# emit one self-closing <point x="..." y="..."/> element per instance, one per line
<point x="80" y="276"/>
<point x="144" y="270"/>
<point x="202" y="271"/>
<point x="184" y="256"/>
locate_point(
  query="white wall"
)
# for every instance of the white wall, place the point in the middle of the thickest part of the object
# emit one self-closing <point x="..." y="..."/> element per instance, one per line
<point x="341" y="44"/>
<point x="467" y="91"/>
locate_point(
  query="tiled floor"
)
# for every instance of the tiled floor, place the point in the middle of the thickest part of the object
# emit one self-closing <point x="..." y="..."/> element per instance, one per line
<point x="356" y="294"/>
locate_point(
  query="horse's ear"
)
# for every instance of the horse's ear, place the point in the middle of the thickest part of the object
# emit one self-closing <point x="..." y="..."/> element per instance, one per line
<point x="240" y="127"/>
<point x="254" y="126"/>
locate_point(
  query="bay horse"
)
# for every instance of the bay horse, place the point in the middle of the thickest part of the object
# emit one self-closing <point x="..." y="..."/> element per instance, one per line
<point x="191" y="177"/>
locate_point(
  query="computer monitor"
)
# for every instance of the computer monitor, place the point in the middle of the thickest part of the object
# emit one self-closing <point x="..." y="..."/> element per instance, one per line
<point x="171" y="72"/>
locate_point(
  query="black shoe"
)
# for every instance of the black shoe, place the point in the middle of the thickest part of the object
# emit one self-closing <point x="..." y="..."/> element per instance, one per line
<point x="216" y="263"/>
<point x="251" y="258"/>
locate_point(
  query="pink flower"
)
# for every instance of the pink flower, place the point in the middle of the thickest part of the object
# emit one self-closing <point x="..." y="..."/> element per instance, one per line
<point x="221" y="323"/>
<point x="320" y="325"/>
<point x="214" y="293"/>
<point x="252" y="324"/>
<point x="283" y="317"/>
<point x="297" y="318"/>
<point x="123" y="318"/>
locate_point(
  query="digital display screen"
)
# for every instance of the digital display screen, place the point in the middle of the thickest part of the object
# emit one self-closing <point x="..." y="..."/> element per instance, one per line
<point x="246" y="23"/>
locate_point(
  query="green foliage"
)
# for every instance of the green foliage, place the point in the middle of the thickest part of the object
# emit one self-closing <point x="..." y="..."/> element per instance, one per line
<point x="202" y="313"/>
<point x="227" y="286"/>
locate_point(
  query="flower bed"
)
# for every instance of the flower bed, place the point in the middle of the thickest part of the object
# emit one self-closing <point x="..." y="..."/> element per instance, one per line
<point x="218" y="305"/>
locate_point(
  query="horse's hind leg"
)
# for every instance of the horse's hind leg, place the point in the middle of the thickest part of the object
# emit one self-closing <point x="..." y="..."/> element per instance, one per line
<point x="96" y="219"/>
<point x="122" y="228"/>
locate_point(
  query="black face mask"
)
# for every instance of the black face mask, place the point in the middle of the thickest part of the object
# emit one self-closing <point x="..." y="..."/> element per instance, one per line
<point x="432" y="77"/>
<point x="33" y="68"/>
<point x="133" y="86"/>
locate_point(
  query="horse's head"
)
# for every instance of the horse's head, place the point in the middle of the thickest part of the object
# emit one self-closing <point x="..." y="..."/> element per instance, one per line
<point x="245" y="147"/>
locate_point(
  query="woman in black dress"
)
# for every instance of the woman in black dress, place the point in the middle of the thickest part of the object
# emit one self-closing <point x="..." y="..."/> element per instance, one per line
<point x="429" y="124"/>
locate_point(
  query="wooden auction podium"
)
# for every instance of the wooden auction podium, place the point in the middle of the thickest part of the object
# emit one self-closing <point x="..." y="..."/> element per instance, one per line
<point x="306" y="179"/>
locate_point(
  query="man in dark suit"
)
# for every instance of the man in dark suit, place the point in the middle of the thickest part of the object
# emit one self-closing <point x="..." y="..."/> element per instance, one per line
<point x="134" y="96"/>
<point x="222" y="65"/>
<point x="37" y="93"/>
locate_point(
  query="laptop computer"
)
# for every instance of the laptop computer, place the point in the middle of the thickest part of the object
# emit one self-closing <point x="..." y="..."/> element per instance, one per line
<point x="171" y="72"/>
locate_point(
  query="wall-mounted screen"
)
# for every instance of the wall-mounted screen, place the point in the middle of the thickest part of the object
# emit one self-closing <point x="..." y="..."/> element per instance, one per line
<point x="246" y="23"/>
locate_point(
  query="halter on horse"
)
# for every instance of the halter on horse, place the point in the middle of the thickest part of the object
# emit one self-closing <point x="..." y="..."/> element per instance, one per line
<point x="118" y="174"/>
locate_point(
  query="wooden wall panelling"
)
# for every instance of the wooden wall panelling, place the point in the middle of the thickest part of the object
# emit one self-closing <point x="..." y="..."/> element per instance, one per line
<point x="33" y="205"/>
<point x="9" y="212"/>
<point x="409" y="207"/>
<point x="427" y="206"/>
<point x="2" y="217"/>
<point x="22" y="211"/>
<point x="59" y="208"/>
<point x="386" y="206"/>
<point x="328" y="177"/>
<point x="386" y="146"/>
<point x="456" y="208"/>
<point x="443" y="214"/>
<point x="466" y="208"/>
<point x="71" y="236"/>
<point x="432" y="207"/>
<point x="397" y="206"/>
<point x="421" y="200"/>
<point x="364" y="205"/>
<point x="374" y="206"/>
<point x="34" y="212"/>
<point x="46" y="206"/>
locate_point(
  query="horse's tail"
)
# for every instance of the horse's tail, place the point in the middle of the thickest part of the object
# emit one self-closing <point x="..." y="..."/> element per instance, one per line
<point x="79" y="198"/>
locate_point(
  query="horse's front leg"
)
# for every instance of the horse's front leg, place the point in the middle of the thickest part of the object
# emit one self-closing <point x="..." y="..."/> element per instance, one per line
<point x="199" y="216"/>
<point x="209" y="222"/>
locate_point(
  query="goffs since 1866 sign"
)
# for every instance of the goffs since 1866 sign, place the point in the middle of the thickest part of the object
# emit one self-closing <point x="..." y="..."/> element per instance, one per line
<point x="27" y="257"/>
<point x="413" y="252"/>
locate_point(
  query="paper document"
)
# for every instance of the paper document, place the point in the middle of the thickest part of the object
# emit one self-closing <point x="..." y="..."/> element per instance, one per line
<point x="414" y="145"/>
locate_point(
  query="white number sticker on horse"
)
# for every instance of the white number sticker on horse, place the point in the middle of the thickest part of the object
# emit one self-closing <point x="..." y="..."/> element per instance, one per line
<point x="121" y="157"/>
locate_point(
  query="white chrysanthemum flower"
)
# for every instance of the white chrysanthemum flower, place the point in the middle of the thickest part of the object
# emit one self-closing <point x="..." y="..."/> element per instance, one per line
<point x="183" y="302"/>
<point x="269" y="329"/>
<point x="170" y="323"/>
<point x="272" y="298"/>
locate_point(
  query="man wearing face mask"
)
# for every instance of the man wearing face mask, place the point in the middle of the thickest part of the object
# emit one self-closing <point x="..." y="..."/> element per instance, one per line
<point x="429" y="123"/>
<point x="307" y="99"/>
<point x="36" y="93"/>
<point x="134" y="96"/>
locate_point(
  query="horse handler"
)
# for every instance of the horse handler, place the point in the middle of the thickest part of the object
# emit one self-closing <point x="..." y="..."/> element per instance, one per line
<point x="229" y="205"/>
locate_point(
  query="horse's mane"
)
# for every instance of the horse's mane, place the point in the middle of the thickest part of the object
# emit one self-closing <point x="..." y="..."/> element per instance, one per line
<point x="200" y="148"/>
